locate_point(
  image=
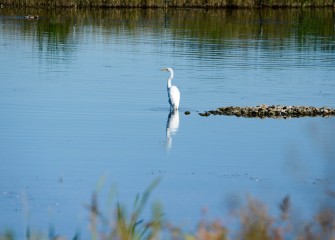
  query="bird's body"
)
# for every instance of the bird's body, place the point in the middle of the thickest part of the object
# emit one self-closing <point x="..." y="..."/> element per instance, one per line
<point x="173" y="91"/>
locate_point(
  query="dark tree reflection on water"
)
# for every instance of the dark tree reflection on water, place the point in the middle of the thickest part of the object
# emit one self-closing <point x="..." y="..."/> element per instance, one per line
<point x="214" y="27"/>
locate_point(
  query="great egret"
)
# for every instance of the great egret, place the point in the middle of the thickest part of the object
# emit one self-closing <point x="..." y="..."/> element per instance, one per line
<point x="173" y="91"/>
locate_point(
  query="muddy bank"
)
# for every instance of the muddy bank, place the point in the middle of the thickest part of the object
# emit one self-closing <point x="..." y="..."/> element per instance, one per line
<point x="265" y="111"/>
<point x="169" y="3"/>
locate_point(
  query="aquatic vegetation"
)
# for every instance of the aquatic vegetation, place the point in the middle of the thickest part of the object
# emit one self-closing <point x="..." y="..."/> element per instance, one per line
<point x="255" y="223"/>
<point x="278" y="111"/>
<point x="127" y="226"/>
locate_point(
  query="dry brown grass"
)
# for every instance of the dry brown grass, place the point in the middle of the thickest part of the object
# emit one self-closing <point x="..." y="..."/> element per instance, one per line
<point x="169" y="3"/>
<point x="255" y="223"/>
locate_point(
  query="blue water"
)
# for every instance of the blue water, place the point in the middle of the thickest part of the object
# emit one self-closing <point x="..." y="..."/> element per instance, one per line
<point x="86" y="100"/>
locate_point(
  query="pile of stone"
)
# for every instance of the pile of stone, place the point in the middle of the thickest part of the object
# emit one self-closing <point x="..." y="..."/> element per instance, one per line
<point x="265" y="111"/>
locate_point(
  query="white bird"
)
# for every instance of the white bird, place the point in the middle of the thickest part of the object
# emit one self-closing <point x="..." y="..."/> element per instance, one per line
<point x="173" y="91"/>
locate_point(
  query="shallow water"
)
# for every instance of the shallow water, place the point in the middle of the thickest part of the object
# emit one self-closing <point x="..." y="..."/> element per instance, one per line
<point x="82" y="97"/>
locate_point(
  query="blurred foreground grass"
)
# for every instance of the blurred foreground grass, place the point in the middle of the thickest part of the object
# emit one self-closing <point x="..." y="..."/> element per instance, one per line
<point x="255" y="223"/>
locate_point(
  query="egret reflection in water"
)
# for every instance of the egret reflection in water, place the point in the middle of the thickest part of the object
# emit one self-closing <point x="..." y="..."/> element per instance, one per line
<point x="172" y="126"/>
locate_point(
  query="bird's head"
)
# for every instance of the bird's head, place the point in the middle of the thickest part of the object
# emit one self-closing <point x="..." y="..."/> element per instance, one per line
<point x="167" y="69"/>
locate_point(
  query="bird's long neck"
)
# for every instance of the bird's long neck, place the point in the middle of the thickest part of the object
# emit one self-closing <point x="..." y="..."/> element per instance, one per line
<point x="169" y="80"/>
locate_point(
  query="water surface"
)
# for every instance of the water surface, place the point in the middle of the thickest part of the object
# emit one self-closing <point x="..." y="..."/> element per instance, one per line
<point x="82" y="96"/>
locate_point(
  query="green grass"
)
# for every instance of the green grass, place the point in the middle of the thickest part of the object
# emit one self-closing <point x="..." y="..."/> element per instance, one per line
<point x="169" y="3"/>
<point x="255" y="223"/>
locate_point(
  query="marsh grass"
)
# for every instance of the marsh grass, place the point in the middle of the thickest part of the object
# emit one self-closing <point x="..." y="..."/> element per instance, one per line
<point x="127" y="226"/>
<point x="255" y="223"/>
<point x="169" y="3"/>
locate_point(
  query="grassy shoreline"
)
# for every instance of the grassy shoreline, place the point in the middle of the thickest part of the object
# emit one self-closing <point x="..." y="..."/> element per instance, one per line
<point x="169" y="3"/>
